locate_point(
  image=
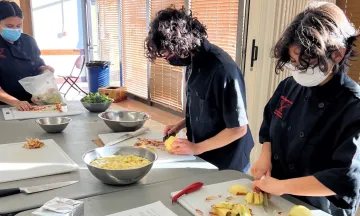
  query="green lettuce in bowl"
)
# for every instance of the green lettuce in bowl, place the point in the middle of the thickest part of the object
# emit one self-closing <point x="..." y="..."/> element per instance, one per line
<point x="95" y="102"/>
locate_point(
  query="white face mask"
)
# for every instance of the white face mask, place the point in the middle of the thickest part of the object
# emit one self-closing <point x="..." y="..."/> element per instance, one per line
<point x="309" y="78"/>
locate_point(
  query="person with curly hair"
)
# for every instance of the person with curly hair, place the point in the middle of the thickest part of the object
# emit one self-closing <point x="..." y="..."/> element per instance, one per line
<point x="311" y="125"/>
<point x="216" y="120"/>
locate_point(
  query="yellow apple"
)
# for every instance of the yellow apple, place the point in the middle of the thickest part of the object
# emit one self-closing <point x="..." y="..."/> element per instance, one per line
<point x="300" y="211"/>
<point x="238" y="190"/>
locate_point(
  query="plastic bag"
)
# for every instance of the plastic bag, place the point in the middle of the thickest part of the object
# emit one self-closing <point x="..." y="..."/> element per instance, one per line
<point x="43" y="87"/>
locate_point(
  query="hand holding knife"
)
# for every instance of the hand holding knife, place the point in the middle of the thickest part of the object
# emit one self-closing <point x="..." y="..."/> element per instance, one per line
<point x="266" y="198"/>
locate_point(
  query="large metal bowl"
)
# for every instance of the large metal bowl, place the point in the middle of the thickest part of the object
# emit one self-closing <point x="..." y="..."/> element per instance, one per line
<point x="124" y="121"/>
<point x="119" y="177"/>
<point x="97" y="107"/>
<point x="53" y="124"/>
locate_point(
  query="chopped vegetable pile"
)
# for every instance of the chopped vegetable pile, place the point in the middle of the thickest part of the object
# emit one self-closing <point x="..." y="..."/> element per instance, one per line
<point x="96" y="98"/>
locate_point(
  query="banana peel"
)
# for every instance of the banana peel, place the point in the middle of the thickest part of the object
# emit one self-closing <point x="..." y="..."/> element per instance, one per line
<point x="169" y="141"/>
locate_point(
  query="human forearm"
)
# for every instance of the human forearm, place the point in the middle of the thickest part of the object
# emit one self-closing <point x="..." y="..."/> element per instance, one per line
<point x="225" y="137"/>
<point x="266" y="150"/>
<point x="6" y="98"/>
<point x="181" y="124"/>
<point x="306" y="186"/>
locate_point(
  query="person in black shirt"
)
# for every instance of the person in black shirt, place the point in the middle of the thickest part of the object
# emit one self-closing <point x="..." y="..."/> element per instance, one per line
<point x="19" y="57"/>
<point x="311" y="126"/>
<point x="216" y="120"/>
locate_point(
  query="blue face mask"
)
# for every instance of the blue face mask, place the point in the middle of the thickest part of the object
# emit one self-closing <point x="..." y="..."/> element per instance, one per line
<point x="11" y="34"/>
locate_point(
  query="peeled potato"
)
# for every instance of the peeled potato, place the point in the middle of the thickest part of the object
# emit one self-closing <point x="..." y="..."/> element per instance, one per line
<point x="300" y="211"/>
<point x="238" y="190"/>
<point x="255" y="198"/>
<point x="169" y="141"/>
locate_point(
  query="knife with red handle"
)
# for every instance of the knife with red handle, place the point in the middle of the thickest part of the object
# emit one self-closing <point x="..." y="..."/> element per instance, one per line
<point x="189" y="189"/>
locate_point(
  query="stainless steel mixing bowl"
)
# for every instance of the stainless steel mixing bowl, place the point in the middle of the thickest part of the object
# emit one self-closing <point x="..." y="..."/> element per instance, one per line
<point x="124" y="121"/>
<point x="119" y="177"/>
<point x="97" y="107"/>
<point x="53" y="124"/>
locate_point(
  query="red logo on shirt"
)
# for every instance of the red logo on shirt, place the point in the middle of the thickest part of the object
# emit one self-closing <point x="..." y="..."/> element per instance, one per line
<point x="1" y="53"/>
<point x="284" y="104"/>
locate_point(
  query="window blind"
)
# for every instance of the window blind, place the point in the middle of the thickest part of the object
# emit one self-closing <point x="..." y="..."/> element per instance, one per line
<point x="352" y="11"/>
<point x="134" y="32"/>
<point x="221" y="20"/>
<point x="108" y="36"/>
<point x="166" y="80"/>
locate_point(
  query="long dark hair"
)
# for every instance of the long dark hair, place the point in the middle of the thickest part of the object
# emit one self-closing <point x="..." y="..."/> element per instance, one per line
<point x="174" y="31"/>
<point x="321" y="29"/>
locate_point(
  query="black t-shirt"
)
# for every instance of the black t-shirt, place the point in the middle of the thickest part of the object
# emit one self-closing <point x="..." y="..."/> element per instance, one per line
<point x="17" y="61"/>
<point x="216" y="100"/>
<point x="316" y="131"/>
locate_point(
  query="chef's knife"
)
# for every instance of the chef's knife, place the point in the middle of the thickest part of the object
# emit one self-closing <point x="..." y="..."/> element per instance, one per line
<point x="34" y="189"/>
<point x="128" y="136"/>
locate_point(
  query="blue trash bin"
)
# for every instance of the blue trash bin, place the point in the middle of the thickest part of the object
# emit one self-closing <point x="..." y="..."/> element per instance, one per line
<point x="98" y="75"/>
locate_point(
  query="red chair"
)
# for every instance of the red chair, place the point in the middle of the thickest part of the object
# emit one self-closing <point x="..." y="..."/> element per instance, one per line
<point x="74" y="76"/>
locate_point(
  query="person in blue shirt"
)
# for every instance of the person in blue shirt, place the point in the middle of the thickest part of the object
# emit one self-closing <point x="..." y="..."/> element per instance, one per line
<point x="311" y="126"/>
<point x="19" y="57"/>
<point x="216" y="120"/>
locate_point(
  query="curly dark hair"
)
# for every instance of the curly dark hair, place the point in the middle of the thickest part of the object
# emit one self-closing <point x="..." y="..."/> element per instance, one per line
<point x="319" y="31"/>
<point x="174" y="31"/>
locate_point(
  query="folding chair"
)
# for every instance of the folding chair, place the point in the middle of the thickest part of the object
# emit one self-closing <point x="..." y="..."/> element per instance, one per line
<point x="73" y="77"/>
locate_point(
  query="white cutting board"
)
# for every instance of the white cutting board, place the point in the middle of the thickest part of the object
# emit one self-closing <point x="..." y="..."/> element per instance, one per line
<point x="13" y="114"/>
<point x="18" y="163"/>
<point x="196" y="200"/>
<point x="163" y="155"/>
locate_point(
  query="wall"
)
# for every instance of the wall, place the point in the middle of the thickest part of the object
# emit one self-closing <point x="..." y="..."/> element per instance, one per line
<point x="352" y="10"/>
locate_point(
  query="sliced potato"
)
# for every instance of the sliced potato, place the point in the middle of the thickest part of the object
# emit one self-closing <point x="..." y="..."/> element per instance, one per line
<point x="238" y="190"/>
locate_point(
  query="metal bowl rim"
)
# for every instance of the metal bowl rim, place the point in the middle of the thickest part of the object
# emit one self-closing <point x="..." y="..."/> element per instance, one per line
<point x="69" y="120"/>
<point x="112" y="100"/>
<point x="152" y="162"/>
<point x="147" y="116"/>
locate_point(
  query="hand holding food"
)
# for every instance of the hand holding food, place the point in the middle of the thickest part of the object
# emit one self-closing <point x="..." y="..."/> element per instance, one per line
<point x="269" y="185"/>
<point x="47" y="67"/>
<point x="96" y="98"/>
<point x="184" y="147"/>
<point x="261" y="167"/>
<point x="22" y="105"/>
